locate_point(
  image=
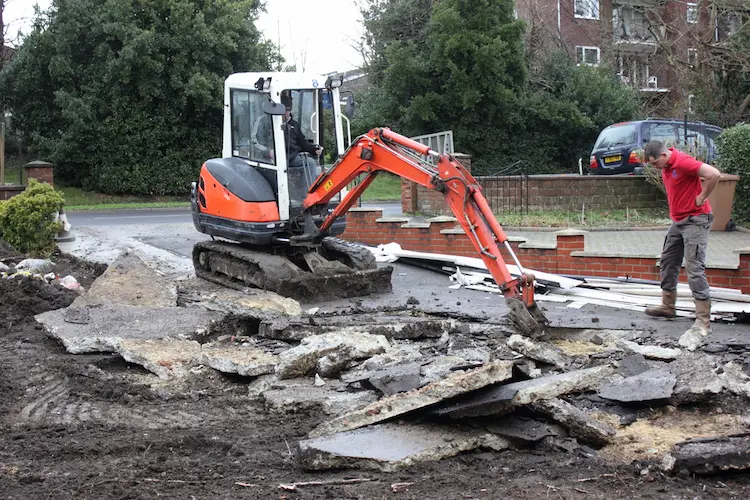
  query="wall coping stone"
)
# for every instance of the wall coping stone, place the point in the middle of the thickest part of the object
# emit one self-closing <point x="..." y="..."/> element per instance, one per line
<point x="743" y="251"/>
<point x="417" y="225"/>
<point x="571" y="232"/>
<point x="538" y="246"/>
<point x="455" y="230"/>
<point x="365" y="209"/>
<point x="393" y="219"/>
<point x="615" y="254"/>
<point x="442" y="218"/>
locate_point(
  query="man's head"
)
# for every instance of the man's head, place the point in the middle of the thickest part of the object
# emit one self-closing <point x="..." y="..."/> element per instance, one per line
<point x="286" y="100"/>
<point x="656" y="154"/>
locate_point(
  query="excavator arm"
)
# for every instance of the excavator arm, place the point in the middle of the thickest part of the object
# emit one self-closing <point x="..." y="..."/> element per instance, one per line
<point x="384" y="150"/>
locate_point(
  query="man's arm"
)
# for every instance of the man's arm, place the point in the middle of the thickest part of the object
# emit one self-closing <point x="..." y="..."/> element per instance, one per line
<point x="710" y="176"/>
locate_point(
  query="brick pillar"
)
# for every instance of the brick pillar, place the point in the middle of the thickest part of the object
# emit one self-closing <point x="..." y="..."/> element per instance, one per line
<point x="39" y="170"/>
<point x="464" y="159"/>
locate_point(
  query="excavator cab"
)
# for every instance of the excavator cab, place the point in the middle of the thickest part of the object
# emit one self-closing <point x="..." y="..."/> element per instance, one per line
<point x="252" y="197"/>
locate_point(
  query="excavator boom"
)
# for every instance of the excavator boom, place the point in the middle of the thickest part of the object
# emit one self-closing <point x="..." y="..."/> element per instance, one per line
<point x="384" y="150"/>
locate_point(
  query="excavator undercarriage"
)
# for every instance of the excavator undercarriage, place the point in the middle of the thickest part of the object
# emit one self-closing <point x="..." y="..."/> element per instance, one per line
<point x="335" y="269"/>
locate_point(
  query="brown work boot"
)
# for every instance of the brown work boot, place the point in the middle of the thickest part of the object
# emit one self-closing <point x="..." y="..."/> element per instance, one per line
<point x="666" y="308"/>
<point x="697" y="335"/>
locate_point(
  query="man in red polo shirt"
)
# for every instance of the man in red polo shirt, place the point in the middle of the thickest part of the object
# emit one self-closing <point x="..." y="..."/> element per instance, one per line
<point x="688" y="183"/>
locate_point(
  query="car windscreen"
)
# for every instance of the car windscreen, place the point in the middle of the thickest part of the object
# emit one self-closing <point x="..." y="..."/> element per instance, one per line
<point x="620" y="135"/>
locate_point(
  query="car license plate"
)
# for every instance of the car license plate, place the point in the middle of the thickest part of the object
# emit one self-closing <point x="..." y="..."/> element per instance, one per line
<point x="612" y="159"/>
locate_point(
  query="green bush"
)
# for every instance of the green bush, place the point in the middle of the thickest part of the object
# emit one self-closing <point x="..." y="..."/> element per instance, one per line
<point x="734" y="158"/>
<point x="27" y="220"/>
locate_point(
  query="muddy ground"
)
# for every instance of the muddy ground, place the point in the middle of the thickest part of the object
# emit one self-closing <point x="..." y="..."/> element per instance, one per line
<point x="94" y="426"/>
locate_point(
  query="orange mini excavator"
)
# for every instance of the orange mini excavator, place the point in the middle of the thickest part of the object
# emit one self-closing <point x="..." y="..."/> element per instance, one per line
<point x="278" y="208"/>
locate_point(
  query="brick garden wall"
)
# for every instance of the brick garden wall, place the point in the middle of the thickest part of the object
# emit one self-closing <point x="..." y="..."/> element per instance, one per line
<point x="544" y="192"/>
<point x="567" y="257"/>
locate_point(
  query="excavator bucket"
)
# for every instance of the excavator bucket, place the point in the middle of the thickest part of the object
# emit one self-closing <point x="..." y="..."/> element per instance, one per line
<point x="338" y="270"/>
<point x="529" y="320"/>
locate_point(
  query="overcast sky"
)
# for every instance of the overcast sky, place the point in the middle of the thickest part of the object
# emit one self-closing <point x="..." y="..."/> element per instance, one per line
<point x="316" y="35"/>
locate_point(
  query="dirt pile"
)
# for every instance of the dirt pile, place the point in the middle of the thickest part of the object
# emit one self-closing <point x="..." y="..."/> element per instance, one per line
<point x="96" y="426"/>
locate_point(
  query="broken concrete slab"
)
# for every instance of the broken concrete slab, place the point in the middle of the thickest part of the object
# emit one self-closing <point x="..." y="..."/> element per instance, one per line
<point x="696" y="378"/>
<point x="348" y="344"/>
<point x="527" y="430"/>
<point x="505" y="398"/>
<point x="109" y="324"/>
<point x="262" y="304"/>
<point x="416" y="329"/>
<point x="296" y="395"/>
<point x="441" y="367"/>
<point x="735" y="380"/>
<point x="692" y="340"/>
<point x="130" y="281"/>
<point x="244" y="360"/>
<point x="635" y="364"/>
<point x="546" y="353"/>
<point x="649" y="386"/>
<point x="392" y="406"/>
<point x="396" y="378"/>
<point x="578" y="423"/>
<point x="650" y="351"/>
<point x="709" y="455"/>
<point x="394" y="356"/>
<point x="387" y="447"/>
<point x="167" y="358"/>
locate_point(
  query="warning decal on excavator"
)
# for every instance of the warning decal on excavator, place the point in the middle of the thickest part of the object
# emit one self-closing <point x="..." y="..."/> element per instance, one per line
<point x="328" y="185"/>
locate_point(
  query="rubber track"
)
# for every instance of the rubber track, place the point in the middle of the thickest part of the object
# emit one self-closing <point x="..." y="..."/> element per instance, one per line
<point x="278" y="274"/>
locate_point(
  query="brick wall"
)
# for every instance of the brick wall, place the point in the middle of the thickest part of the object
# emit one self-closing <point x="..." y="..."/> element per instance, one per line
<point x="545" y="192"/>
<point x="567" y="257"/>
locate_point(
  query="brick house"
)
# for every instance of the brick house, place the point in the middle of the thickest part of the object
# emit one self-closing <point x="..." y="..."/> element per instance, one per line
<point x="654" y="45"/>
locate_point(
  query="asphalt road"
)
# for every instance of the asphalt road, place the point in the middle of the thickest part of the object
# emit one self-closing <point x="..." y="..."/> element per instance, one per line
<point x="172" y="215"/>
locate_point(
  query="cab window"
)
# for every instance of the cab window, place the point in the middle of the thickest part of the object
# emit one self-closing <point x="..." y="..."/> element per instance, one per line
<point x="252" y="129"/>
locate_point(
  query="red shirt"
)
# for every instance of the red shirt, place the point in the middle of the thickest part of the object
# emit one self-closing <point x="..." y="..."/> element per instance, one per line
<point x="683" y="185"/>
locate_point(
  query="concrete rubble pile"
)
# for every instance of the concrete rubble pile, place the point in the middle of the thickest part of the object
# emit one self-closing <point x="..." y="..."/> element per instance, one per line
<point x="401" y="387"/>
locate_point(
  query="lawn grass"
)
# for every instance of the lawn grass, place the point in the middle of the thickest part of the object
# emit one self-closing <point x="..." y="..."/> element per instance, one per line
<point x="591" y="218"/>
<point x="386" y="186"/>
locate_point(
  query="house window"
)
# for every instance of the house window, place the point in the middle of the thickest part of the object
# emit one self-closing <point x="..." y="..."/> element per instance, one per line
<point x="586" y="9"/>
<point x="692" y="13"/>
<point x="692" y="57"/>
<point x="587" y="55"/>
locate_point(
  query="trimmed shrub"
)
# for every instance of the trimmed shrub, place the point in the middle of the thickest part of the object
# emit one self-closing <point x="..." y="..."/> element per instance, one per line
<point x="734" y="158"/>
<point x="27" y="220"/>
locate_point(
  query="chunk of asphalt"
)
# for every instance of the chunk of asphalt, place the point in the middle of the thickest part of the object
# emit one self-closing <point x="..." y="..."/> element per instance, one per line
<point x="527" y="430"/>
<point x="579" y="424"/>
<point x="635" y="364"/>
<point x="243" y="360"/>
<point x="110" y="324"/>
<point x="697" y="378"/>
<point x="653" y="385"/>
<point x="397" y="378"/>
<point x="302" y="395"/>
<point x="389" y="446"/>
<point x="505" y="398"/>
<point x="539" y="351"/>
<point x="650" y="351"/>
<point x="261" y="304"/>
<point x="129" y="281"/>
<point x="167" y="358"/>
<point x="343" y="345"/>
<point x="709" y="455"/>
<point x="456" y="384"/>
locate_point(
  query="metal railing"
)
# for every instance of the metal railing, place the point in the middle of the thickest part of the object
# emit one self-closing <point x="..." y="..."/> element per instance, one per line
<point x="507" y="190"/>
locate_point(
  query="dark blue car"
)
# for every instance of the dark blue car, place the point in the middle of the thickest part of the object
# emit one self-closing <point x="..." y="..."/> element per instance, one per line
<point x="616" y="149"/>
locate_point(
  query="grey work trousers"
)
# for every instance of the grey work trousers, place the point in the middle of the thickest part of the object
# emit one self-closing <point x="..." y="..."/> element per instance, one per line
<point x="687" y="238"/>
